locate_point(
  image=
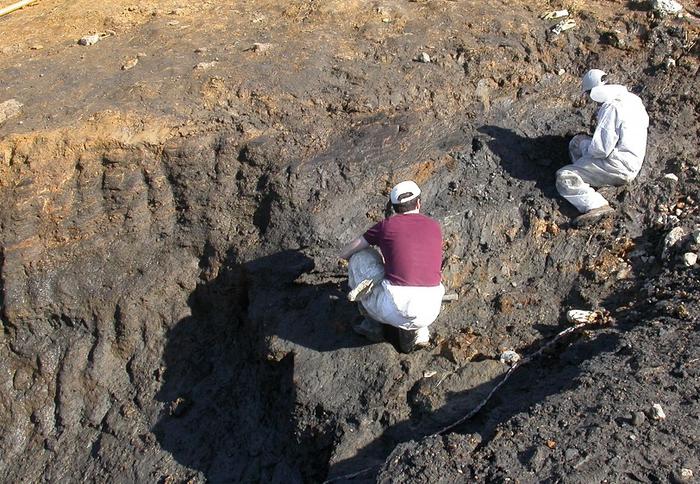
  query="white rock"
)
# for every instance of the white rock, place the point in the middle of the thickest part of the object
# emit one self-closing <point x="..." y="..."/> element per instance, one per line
<point x="130" y="64"/>
<point x="666" y="7"/>
<point x="657" y="412"/>
<point x="580" y="316"/>
<point x="423" y="57"/>
<point x="686" y="474"/>
<point x="670" y="62"/>
<point x="671" y="239"/>
<point x="690" y="259"/>
<point x="510" y="357"/>
<point x="205" y="65"/>
<point x="9" y="109"/>
<point x="671" y="176"/>
<point x="260" y="47"/>
<point x="90" y="39"/>
<point x="429" y="373"/>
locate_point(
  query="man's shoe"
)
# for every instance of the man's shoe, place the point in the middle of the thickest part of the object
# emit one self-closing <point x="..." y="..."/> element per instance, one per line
<point x="371" y="330"/>
<point x="412" y="340"/>
<point x="593" y="216"/>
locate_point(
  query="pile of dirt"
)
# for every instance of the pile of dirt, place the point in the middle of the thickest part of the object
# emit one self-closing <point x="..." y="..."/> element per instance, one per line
<point x="176" y="195"/>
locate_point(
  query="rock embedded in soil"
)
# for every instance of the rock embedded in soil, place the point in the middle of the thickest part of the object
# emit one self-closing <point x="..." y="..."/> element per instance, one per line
<point x="690" y="259"/>
<point x="638" y="418"/>
<point x="657" y="412"/>
<point x="671" y="239"/>
<point x="9" y="109"/>
<point x="89" y="39"/>
<point x="666" y="7"/>
<point x="130" y="64"/>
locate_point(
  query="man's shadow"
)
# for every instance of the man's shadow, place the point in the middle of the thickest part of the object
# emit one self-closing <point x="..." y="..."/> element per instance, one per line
<point x="228" y="398"/>
<point x="529" y="159"/>
<point x="300" y="303"/>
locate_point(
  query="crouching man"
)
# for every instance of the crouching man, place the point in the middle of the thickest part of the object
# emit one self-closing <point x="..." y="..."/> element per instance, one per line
<point x="612" y="157"/>
<point x="403" y="289"/>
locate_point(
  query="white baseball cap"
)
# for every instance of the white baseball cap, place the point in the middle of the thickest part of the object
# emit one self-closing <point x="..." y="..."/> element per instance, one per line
<point x="405" y="187"/>
<point x="591" y="79"/>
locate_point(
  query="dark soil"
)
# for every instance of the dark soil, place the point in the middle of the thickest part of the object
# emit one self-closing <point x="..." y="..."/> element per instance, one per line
<point x="172" y="308"/>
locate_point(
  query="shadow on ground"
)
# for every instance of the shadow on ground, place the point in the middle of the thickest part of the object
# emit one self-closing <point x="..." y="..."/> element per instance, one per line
<point x="228" y="402"/>
<point x="530" y="159"/>
<point x="227" y="414"/>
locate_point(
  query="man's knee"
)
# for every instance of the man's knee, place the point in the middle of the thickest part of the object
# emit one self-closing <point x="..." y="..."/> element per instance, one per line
<point x="567" y="179"/>
<point x="565" y="173"/>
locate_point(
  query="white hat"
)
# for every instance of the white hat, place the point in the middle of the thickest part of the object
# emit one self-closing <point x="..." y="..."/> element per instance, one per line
<point x="403" y="188"/>
<point x="591" y="79"/>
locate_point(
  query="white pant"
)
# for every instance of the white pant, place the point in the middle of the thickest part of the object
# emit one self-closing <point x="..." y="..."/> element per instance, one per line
<point x="406" y="307"/>
<point x="575" y="182"/>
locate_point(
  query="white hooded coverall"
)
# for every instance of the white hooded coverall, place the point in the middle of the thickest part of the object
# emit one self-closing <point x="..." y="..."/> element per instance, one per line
<point x="613" y="156"/>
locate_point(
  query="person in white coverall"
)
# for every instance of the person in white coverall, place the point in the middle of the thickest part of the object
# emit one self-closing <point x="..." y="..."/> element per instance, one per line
<point x="613" y="156"/>
<point x="401" y="287"/>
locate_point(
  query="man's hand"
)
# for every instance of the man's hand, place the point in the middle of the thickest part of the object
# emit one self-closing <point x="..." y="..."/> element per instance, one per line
<point x="356" y="245"/>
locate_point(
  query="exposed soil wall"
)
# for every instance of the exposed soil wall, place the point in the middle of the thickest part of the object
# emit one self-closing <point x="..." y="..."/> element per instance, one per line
<point x="172" y="309"/>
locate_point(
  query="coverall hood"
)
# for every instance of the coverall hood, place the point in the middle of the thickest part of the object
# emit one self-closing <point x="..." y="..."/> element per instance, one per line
<point x="607" y="92"/>
<point x="591" y="79"/>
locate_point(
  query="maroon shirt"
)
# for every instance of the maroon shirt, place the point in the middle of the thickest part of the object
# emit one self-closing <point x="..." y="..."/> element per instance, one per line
<point x="411" y="244"/>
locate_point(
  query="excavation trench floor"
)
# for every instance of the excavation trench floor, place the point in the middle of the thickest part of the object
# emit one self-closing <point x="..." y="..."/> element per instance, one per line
<point x="175" y="196"/>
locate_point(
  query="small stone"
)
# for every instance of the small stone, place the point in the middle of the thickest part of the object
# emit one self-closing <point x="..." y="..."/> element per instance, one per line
<point x="579" y="316"/>
<point x="172" y="23"/>
<point x="561" y="72"/>
<point x="657" y="412"/>
<point x="686" y="474"/>
<point x="429" y="373"/>
<point x="669" y="63"/>
<point x="260" y="47"/>
<point x="671" y="239"/>
<point x="551" y="444"/>
<point x="571" y="454"/>
<point x="510" y="357"/>
<point x="666" y="7"/>
<point x="36" y="47"/>
<point x="424" y="58"/>
<point x="202" y="66"/>
<point x="690" y="259"/>
<point x="671" y="176"/>
<point x="22" y="379"/>
<point x="90" y="39"/>
<point x="638" y="418"/>
<point x="200" y="50"/>
<point x="130" y="64"/>
<point x="9" y="109"/>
